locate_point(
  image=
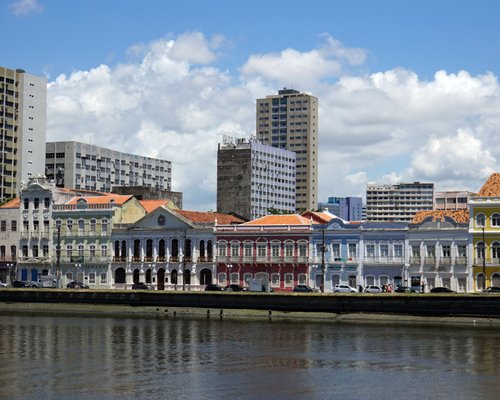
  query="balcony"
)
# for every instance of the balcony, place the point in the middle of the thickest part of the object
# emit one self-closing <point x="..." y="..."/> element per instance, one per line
<point x="136" y="259"/>
<point x="119" y="259"/>
<point x="187" y="259"/>
<point x="174" y="258"/>
<point x="162" y="259"/>
<point x="149" y="259"/>
<point x="445" y="260"/>
<point x="205" y="259"/>
<point x="461" y="260"/>
<point x="415" y="260"/>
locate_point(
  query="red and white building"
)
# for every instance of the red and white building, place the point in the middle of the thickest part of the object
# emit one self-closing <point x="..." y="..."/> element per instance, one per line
<point x="273" y="249"/>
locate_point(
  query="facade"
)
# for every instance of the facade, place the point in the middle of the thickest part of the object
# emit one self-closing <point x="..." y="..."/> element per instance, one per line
<point x="9" y="239"/>
<point x="484" y="232"/>
<point x="84" y="166"/>
<point x="398" y="202"/>
<point x="289" y="120"/>
<point x="272" y="251"/>
<point x="347" y="208"/>
<point x="438" y="246"/>
<point x="167" y="249"/>
<point x="254" y="179"/>
<point x="23" y="109"/>
<point x="452" y="200"/>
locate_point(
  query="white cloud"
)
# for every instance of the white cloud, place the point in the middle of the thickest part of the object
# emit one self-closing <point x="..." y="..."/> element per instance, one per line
<point x="25" y="7"/>
<point x="171" y="101"/>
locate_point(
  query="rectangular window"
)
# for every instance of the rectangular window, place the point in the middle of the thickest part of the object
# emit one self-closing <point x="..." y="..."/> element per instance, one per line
<point x="104" y="250"/>
<point x="104" y="278"/>
<point x="384" y="250"/>
<point x="415" y="250"/>
<point x="92" y="250"/>
<point x="248" y="250"/>
<point x="261" y="250"/>
<point x="92" y="278"/>
<point x="462" y="250"/>
<point x="275" y="250"/>
<point x="370" y="250"/>
<point x="235" y="249"/>
<point x="275" y="280"/>
<point x="221" y="249"/>
<point x="303" y="250"/>
<point x="13" y="225"/>
<point x="352" y="250"/>
<point x="3" y="226"/>
<point x="289" y="250"/>
<point x="336" y="251"/>
<point x="398" y="250"/>
<point x="446" y="251"/>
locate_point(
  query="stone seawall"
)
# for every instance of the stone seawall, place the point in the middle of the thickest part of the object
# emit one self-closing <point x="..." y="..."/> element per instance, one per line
<point x="427" y="305"/>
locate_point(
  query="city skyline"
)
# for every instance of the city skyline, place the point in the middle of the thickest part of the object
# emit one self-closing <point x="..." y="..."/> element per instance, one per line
<point x="406" y="92"/>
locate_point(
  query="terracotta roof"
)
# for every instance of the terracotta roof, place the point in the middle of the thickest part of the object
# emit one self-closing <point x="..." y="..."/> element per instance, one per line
<point x="151" y="205"/>
<point x="491" y="188"/>
<point x="106" y="199"/>
<point x="281" y="219"/>
<point x="14" y="203"/>
<point x="207" y="217"/>
<point x="319" y="217"/>
<point x="460" y="216"/>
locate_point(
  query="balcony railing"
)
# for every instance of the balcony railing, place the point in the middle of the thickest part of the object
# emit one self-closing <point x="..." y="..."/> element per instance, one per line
<point x="162" y="259"/>
<point x="461" y="260"/>
<point x="415" y="260"/>
<point x="445" y="260"/>
<point x="119" y="259"/>
<point x="430" y="260"/>
<point x="136" y="259"/>
<point x="174" y="258"/>
<point x="205" y="259"/>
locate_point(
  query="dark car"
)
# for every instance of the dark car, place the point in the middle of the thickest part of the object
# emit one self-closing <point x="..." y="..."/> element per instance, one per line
<point x="235" y="288"/>
<point x="404" y="289"/>
<point x="21" y="284"/>
<point x="303" y="289"/>
<point x="442" y="290"/>
<point x="213" y="288"/>
<point x="77" y="285"/>
<point x="141" y="286"/>
<point x="492" y="289"/>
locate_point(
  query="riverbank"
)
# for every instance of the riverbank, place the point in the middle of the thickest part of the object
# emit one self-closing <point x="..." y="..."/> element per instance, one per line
<point x="126" y="311"/>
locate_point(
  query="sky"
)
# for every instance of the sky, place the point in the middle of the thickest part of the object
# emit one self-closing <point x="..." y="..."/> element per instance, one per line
<point x="408" y="90"/>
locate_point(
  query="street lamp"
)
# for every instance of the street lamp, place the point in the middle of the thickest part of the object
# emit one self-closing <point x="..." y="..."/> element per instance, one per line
<point x="78" y="266"/>
<point x="484" y="260"/>
<point x="229" y="268"/>
<point x="11" y="272"/>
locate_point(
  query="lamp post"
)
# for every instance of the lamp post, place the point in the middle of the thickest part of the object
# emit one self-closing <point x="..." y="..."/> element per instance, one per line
<point x="11" y="272"/>
<point x="229" y="268"/>
<point x="484" y="259"/>
<point x="78" y="266"/>
<point x="323" y="269"/>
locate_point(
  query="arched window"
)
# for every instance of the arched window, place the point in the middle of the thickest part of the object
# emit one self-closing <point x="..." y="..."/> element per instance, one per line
<point x="161" y="250"/>
<point x="149" y="250"/>
<point x="480" y="250"/>
<point x="495" y="251"/>
<point x="117" y="249"/>
<point x="495" y="280"/>
<point x="137" y="250"/>
<point x="480" y="282"/>
<point x="202" y="249"/>
<point x="495" y="220"/>
<point x="124" y="250"/>
<point x="480" y="220"/>
<point x="205" y="276"/>
<point x="120" y="275"/>
<point x="148" y="276"/>
<point x="209" y="250"/>
<point x="173" y="277"/>
<point x="136" y="275"/>
<point x="175" y="248"/>
<point x="187" y="250"/>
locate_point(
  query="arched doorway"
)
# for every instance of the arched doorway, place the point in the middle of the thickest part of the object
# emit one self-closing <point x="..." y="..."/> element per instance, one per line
<point x="160" y="276"/>
<point x="480" y="283"/>
<point x="205" y="276"/>
<point x="187" y="277"/>
<point x="495" y="280"/>
<point x="173" y="278"/>
<point x="120" y="275"/>
<point x="148" y="275"/>
<point x="136" y="275"/>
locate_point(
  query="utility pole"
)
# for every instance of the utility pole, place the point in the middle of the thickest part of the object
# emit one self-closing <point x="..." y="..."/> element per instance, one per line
<point x="323" y="269"/>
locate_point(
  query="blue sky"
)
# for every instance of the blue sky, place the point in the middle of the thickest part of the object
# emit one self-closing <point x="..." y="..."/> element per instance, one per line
<point x="407" y="90"/>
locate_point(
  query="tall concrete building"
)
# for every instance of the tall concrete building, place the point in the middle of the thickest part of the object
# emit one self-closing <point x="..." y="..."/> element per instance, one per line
<point x="254" y="179"/>
<point x="398" y="202"/>
<point x="347" y="208"/>
<point x="289" y="120"/>
<point x="85" y="166"/>
<point x="23" y="110"/>
<point x="452" y="200"/>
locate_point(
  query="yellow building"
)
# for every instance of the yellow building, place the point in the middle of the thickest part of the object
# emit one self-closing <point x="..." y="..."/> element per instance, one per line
<point x="484" y="231"/>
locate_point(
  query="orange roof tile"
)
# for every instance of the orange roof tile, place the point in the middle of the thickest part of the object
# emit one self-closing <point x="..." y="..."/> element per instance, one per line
<point x="319" y="217"/>
<point x="207" y="217"/>
<point x="460" y="216"/>
<point x="151" y="205"/>
<point x="14" y="203"/>
<point x="281" y="219"/>
<point x="106" y="199"/>
<point x="491" y="188"/>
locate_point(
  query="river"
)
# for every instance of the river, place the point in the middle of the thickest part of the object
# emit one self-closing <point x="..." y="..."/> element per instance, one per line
<point x="60" y="357"/>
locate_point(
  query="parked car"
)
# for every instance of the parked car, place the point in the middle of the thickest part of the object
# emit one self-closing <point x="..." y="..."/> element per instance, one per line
<point x="141" y="286"/>
<point x="492" y="289"/>
<point x="441" y="290"/>
<point x="303" y="289"/>
<point x="213" y="288"/>
<point x="77" y="285"/>
<point x="404" y="289"/>
<point x="3" y="285"/>
<point x="344" y="289"/>
<point x="20" y="284"/>
<point x="235" y="288"/>
<point x="373" y="289"/>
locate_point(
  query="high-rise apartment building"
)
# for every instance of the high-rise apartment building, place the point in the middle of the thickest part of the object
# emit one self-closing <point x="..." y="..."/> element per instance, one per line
<point x="398" y="202"/>
<point x="289" y="120"/>
<point x="254" y="179"/>
<point x="85" y="166"/>
<point x="452" y="200"/>
<point x="23" y="109"/>
<point x="347" y="208"/>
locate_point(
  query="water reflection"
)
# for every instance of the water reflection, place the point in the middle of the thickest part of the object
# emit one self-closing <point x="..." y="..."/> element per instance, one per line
<point x="61" y="357"/>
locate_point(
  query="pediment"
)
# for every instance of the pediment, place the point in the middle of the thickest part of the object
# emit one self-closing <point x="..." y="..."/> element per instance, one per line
<point x="162" y="218"/>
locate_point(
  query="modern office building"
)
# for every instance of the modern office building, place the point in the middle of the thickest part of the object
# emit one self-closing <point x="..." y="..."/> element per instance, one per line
<point x="85" y="166"/>
<point x="452" y="200"/>
<point x="23" y="109"/>
<point x="289" y="120"/>
<point x="398" y="202"/>
<point x="254" y="180"/>
<point x="347" y="208"/>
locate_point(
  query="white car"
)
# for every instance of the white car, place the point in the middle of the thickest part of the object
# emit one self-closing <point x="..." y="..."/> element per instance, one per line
<point x="373" y="289"/>
<point x="344" y="289"/>
<point x="3" y="285"/>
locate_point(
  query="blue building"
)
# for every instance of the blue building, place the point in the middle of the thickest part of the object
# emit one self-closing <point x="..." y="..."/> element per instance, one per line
<point x="347" y="208"/>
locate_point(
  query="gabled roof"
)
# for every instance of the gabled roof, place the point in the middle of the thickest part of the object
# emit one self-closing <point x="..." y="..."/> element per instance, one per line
<point x="459" y="216"/>
<point x="208" y="217"/>
<point x="151" y="205"/>
<point x="106" y="199"/>
<point x="320" y="217"/>
<point x="491" y="188"/>
<point x="281" y="219"/>
<point x="14" y="203"/>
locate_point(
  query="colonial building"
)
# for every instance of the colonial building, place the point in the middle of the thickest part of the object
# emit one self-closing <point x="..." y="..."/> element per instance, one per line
<point x="9" y="239"/>
<point x="168" y="249"/>
<point x="273" y="250"/>
<point x="484" y="231"/>
<point x="438" y="249"/>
